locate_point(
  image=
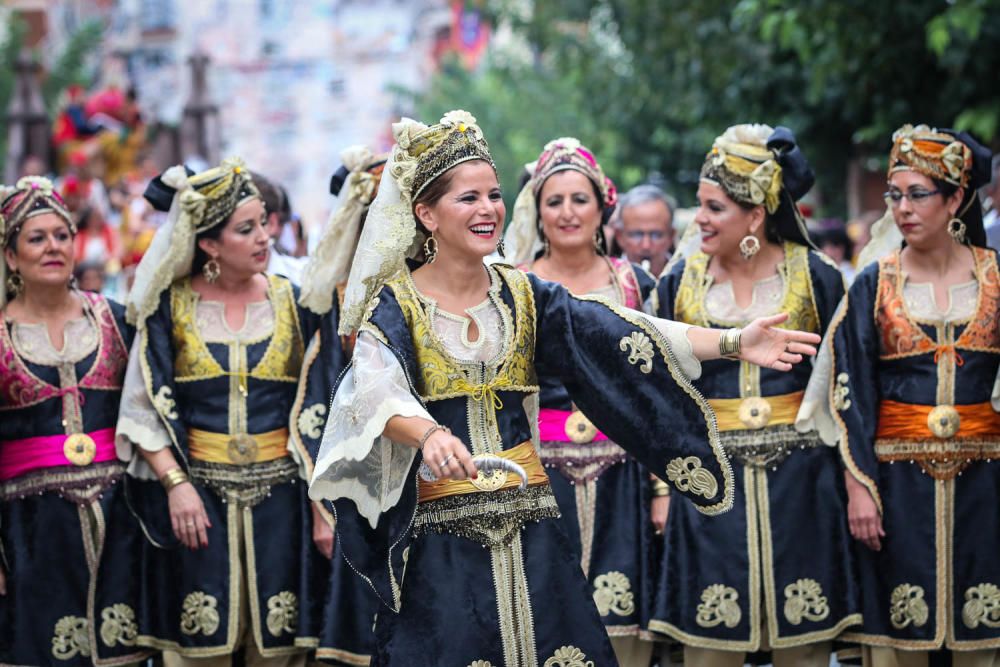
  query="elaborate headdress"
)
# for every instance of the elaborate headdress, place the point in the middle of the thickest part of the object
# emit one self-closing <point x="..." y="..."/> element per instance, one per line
<point x="522" y="239"/>
<point x="196" y="204"/>
<point x="30" y="197"/>
<point x="390" y="234"/>
<point x="356" y="184"/>
<point x="948" y="156"/>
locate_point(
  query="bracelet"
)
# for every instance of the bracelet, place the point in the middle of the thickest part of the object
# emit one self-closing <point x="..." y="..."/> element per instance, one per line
<point x="660" y="488"/>
<point x="429" y="433"/>
<point x="173" y="477"/>
<point x="729" y="343"/>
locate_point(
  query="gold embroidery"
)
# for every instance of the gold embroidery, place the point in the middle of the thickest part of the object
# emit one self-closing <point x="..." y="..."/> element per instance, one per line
<point x="71" y="638"/>
<point x="908" y="606"/>
<point x="118" y="625"/>
<point x="687" y="474"/>
<point x="282" y="613"/>
<point x="480" y="663"/>
<point x="200" y="614"/>
<point x="613" y="593"/>
<point x="640" y="349"/>
<point x="164" y="402"/>
<point x="283" y="358"/>
<point x="804" y="600"/>
<point x="719" y="605"/>
<point x="568" y="656"/>
<point x="192" y="358"/>
<point x="312" y="419"/>
<point x="841" y="392"/>
<point x="982" y="605"/>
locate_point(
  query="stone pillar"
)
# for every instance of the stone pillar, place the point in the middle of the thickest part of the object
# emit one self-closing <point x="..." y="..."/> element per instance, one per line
<point x="200" y="133"/>
<point x="28" y="128"/>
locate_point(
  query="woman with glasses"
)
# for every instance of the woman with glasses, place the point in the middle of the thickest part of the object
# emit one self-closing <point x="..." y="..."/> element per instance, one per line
<point x="775" y="573"/>
<point x="916" y="351"/>
<point x="603" y="493"/>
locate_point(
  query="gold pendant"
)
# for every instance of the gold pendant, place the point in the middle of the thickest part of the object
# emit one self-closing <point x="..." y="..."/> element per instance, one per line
<point x="489" y="481"/>
<point x="755" y="412"/>
<point x="944" y="421"/>
<point x="579" y="429"/>
<point x="242" y="449"/>
<point x="80" y="449"/>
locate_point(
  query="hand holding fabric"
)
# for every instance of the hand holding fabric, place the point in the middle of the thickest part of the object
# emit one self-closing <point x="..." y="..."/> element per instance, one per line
<point x="763" y="344"/>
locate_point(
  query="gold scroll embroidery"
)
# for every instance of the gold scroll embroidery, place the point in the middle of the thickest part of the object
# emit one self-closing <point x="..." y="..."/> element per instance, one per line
<point x="70" y="638"/>
<point x="568" y="656"/>
<point x="283" y="357"/>
<point x="982" y="605"/>
<point x="200" y="614"/>
<point x="118" y="625"/>
<point x="841" y="392"/>
<point x="640" y="349"/>
<point x="804" y="600"/>
<point x="312" y="419"/>
<point x="613" y="593"/>
<point x="719" y="605"/>
<point x="282" y="613"/>
<point x="687" y="474"/>
<point x="908" y="606"/>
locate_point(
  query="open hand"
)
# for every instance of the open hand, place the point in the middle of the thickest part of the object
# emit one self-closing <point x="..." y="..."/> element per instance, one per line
<point x="448" y="457"/>
<point x="862" y="515"/>
<point x="188" y="516"/>
<point x="766" y="346"/>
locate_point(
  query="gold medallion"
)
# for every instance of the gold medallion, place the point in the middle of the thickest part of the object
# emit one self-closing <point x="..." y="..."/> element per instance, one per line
<point x="242" y="449"/>
<point x="490" y="481"/>
<point x="80" y="449"/>
<point x="579" y="429"/>
<point x="755" y="412"/>
<point x="944" y="421"/>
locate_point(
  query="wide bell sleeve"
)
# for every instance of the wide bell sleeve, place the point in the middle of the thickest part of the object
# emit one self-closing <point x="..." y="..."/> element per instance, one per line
<point x="853" y="386"/>
<point x="355" y="461"/>
<point x="624" y="371"/>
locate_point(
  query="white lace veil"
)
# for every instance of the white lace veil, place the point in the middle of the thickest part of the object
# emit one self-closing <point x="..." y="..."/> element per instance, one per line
<point x="330" y="263"/>
<point x="521" y="240"/>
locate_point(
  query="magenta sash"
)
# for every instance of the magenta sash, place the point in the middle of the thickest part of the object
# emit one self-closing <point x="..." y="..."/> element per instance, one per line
<point x="552" y="426"/>
<point x="18" y="457"/>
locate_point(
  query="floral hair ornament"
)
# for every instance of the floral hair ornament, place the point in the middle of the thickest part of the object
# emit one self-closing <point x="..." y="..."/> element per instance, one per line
<point x="933" y="153"/>
<point x="30" y="197"/>
<point x="390" y="236"/>
<point x="522" y="239"/>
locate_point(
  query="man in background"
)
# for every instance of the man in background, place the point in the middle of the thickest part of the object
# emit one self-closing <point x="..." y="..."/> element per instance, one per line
<point x="281" y="262"/>
<point x="644" y="227"/>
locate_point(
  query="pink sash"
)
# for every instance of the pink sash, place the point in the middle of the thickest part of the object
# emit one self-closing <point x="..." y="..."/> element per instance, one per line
<point x="18" y="457"/>
<point x="552" y="426"/>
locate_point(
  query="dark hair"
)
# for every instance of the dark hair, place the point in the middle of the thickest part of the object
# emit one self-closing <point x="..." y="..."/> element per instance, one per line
<point x="970" y="211"/>
<point x="606" y="213"/>
<point x="200" y="256"/>
<point x="270" y="194"/>
<point x="432" y="194"/>
<point x="771" y="232"/>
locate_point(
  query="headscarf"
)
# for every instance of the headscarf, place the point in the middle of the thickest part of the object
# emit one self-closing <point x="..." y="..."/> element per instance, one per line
<point x="355" y="184"/>
<point x="31" y="196"/>
<point x="421" y="154"/>
<point x="523" y="239"/>
<point x="196" y="204"/>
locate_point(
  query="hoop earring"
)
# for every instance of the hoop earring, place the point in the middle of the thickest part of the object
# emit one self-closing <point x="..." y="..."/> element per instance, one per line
<point x="749" y="246"/>
<point x="430" y="249"/>
<point x="15" y="283"/>
<point x="501" y="250"/>
<point x="956" y="227"/>
<point x="598" y="246"/>
<point x="212" y="270"/>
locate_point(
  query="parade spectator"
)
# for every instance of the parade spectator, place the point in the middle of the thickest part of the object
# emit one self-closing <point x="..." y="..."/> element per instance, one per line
<point x="834" y="242"/>
<point x="644" y="227"/>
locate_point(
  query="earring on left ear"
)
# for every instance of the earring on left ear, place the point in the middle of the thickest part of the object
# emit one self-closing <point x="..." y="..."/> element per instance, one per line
<point x="501" y="250"/>
<point x="956" y="227"/>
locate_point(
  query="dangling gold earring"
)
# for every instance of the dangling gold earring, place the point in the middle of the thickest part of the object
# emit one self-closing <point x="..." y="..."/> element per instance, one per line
<point x="15" y="283"/>
<point x="430" y="249"/>
<point x="749" y="246"/>
<point x="212" y="270"/>
<point x="501" y="250"/>
<point x="956" y="227"/>
<point x="546" y="248"/>
<point x="598" y="246"/>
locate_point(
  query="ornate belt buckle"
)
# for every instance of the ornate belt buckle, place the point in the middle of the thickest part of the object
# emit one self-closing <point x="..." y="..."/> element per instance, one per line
<point x="944" y="421"/>
<point x="755" y="412"/>
<point x="491" y="481"/>
<point x="242" y="449"/>
<point x="579" y="429"/>
<point x="80" y="449"/>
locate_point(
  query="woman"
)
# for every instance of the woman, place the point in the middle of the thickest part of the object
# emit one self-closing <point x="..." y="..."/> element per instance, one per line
<point x="212" y="380"/>
<point x="603" y="493"/>
<point x="775" y="573"/>
<point x="481" y="553"/>
<point x="62" y="359"/>
<point x="916" y="352"/>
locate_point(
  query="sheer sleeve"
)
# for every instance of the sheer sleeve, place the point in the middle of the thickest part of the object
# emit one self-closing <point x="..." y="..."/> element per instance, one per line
<point x="139" y="424"/>
<point x="355" y="461"/>
<point x="676" y="334"/>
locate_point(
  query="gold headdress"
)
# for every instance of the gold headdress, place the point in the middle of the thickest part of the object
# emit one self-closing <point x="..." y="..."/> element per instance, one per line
<point x="744" y="167"/>
<point x="390" y="236"/>
<point x="934" y="154"/>
<point x="196" y="203"/>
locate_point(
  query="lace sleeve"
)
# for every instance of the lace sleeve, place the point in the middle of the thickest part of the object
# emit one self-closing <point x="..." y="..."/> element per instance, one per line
<point x="139" y="425"/>
<point x="355" y="461"/>
<point x="676" y="335"/>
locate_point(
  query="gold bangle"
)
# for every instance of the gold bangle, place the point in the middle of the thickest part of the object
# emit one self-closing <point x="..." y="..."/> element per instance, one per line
<point x="660" y="488"/>
<point x="172" y="478"/>
<point x="729" y="343"/>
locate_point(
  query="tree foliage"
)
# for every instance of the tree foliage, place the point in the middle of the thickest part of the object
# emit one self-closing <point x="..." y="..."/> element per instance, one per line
<point x="648" y="84"/>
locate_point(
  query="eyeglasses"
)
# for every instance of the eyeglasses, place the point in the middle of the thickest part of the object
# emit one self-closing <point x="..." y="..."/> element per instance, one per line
<point x="637" y="235"/>
<point x="916" y="197"/>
